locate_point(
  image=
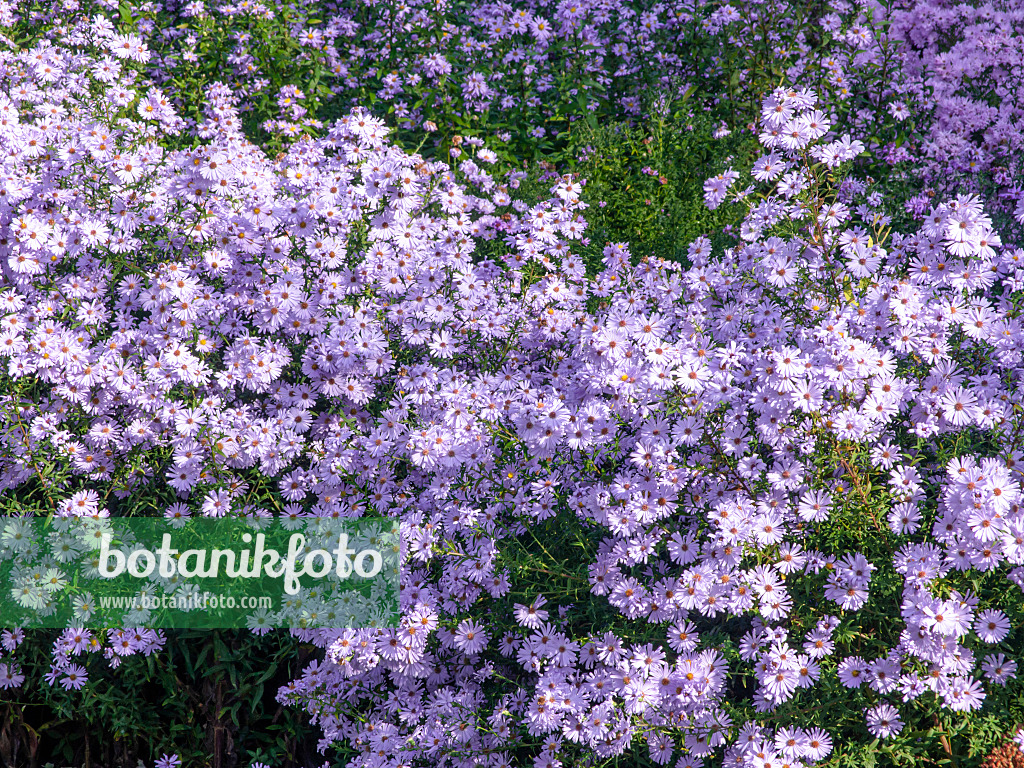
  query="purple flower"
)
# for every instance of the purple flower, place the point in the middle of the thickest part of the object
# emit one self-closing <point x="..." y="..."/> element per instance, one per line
<point x="470" y="637"/>
<point x="75" y="677"/>
<point x="992" y="626"/>
<point x="883" y="721"/>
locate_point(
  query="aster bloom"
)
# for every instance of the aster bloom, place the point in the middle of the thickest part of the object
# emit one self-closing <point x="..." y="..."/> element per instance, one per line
<point x="791" y="742"/>
<point x="716" y="187"/>
<point x="958" y="406"/>
<point x="998" y="669"/>
<point x="883" y="721"/>
<point x="77" y="639"/>
<point x="83" y="504"/>
<point x="11" y="638"/>
<point x="814" y="506"/>
<point x="129" y="47"/>
<point x="964" y="695"/>
<point x="992" y="626"/>
<point x="10" y="676"/>
<point x="852" y="672"/>
<point x="768" y="167"/>
<point x="904" y="518"/>
<point x="75" y="677"/>
<point x="533" y="615"/>
<point x="470" y="637"/>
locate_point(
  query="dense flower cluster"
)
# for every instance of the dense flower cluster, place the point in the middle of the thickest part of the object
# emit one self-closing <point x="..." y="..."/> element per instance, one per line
<point x="564" y="59"/>
<point x="350" y="329"/>
<point x="545" y="64"/>
<point x="974" y="140"/>
<point x="721" y="400"/>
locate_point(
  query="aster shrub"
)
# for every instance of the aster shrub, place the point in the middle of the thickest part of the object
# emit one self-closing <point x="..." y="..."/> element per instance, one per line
<point x="764" y="455"/>
<point x="519" y="76"/>
<point x="755" y="504"/>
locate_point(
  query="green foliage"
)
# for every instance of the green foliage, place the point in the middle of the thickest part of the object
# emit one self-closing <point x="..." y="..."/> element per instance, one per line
<point x="644" y="182"/>
<point x="206" y="692"/>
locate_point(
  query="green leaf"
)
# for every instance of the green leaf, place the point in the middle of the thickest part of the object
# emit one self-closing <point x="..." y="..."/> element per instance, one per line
<point x="222" y="652"/>
<point x="256" y="696"/>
